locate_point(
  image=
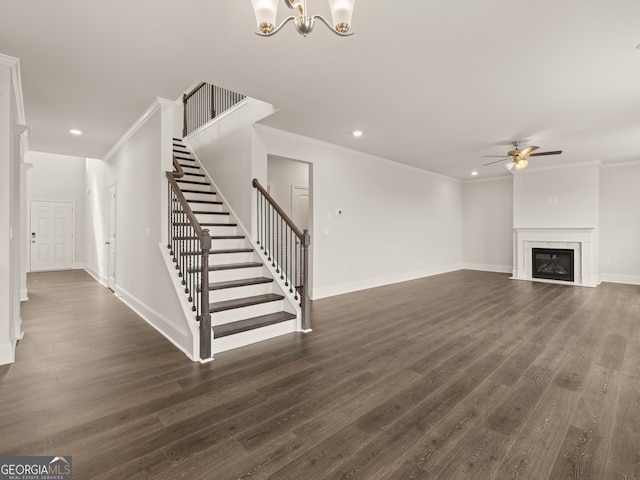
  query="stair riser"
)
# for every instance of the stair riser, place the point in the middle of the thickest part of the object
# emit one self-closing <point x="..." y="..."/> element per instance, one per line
<point x="240" y="292"/>
<point x="194" y="186"/>
<point x="207" y="207"/>
<point x="189" y="174"/>
<point x="235" y="274"/>
<point x="198" y="196"/>
<point x="228" y="243"/>
<point x="213" y="218"/>
<point x="220" y="231"/>
<point x="235" y="314"/>
<point x="226" y="258"/>
<point x="247" y="338"/>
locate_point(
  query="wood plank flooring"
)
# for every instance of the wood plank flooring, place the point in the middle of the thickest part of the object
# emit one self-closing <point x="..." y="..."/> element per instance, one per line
<point x="467" y="375"/>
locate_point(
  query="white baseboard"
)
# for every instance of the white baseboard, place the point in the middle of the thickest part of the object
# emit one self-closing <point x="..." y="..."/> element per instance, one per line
<point x="24" y="295"/>
<point x="615" y="278"/>
<point x="7" y="352"/>
<point x="96" y="275"/>
<point x="340" y="289"/>
<point x="163" y="325"/>
<point x="489" y="268"/>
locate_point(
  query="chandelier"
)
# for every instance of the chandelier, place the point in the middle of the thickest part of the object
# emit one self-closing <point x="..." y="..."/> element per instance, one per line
<point x="265" y="10"/>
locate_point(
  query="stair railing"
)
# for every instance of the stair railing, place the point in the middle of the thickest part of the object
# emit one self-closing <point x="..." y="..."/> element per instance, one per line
<point x="189" y="245"/>
<point x="286" y="247"/>
<point x="204" y="103"/>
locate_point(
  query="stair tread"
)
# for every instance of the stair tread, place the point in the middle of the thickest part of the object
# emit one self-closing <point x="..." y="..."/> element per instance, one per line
<point x="206" y="212"/>
<point x="228" y="266"/>
<point x="214" y="237"/>
<point x="245" y="282"/>
<point x="207" y="224"/>
<point x="247" y="324"/>
<point x="208" y="202"/>
<point x="244" y="302"/>
<point x="196" y="191"/>
<point x="220" y="251"/>
<point x="195" y="182"/>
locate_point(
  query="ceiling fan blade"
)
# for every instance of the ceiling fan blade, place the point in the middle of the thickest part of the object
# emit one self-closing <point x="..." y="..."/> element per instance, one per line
<point x="495" y="156"/>
<point x="491" y="163"/>
<point x="539" y="154"/>
<point x="528" y="150"/>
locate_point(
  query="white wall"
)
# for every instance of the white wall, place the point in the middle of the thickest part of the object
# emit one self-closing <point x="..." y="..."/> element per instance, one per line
<point x="620" y="223"/>
<point x="488" y="224"/>
<point x="137" y="168"/>
<point x="95" y="219"/>
<point x="69" y="186"/>
<point x="564" y="197"/>
<point x="282" y="174"/>
<point x="398" y="222"/>
<point x="225" y="149"/>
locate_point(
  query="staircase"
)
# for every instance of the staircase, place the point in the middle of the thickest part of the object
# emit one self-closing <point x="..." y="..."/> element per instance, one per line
<point x="245" y="303"/>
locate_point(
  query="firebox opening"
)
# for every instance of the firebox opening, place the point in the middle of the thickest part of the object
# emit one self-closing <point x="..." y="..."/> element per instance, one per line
<point x="552" y="264"/>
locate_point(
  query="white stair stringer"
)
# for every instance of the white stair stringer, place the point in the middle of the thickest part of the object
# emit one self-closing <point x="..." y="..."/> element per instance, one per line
<point x="237" y="271"/>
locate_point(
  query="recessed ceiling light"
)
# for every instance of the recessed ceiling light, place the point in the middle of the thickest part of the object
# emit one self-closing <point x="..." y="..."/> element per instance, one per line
<point x="357" y="133"/>
<point x="474" y="173"/>
<point x="75" y="131"/>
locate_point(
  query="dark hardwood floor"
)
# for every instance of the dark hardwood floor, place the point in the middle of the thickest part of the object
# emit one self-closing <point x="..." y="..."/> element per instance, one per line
<point x="462" y="375"/>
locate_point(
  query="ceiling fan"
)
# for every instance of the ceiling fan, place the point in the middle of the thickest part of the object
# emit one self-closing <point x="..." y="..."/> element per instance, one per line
<point x="520" y="158"/>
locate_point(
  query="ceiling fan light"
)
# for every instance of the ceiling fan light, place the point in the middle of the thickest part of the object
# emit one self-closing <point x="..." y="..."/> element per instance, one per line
<point x="265" y="11"/>
<point x="341" y="13"/>
<point x="521" y="164"/>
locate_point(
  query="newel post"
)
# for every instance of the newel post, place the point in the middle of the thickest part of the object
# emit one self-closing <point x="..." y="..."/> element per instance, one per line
<point x="205" y="316"/>
<point x="305" y="301"/>
<point x="184" y="115"/>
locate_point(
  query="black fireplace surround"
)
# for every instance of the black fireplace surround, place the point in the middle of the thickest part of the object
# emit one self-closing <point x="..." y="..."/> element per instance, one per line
<point x="552" y="264"/>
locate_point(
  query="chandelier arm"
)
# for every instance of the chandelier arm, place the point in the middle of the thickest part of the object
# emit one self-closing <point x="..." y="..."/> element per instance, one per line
<point x="277" y="29"/>
<point x="324" y="20"/>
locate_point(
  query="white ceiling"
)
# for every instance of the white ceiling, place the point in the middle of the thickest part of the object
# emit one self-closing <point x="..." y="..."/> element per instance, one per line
<point x="433" y="84"/>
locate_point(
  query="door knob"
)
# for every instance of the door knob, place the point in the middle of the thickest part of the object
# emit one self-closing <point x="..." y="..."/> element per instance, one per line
<point x="107" y="243"/>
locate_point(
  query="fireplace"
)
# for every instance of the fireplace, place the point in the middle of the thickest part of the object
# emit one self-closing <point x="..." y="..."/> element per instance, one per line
<point x="552" y="264"/>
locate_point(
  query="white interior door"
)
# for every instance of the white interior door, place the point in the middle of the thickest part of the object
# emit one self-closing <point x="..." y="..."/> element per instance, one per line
<point x="111" y="240"/>
<point x="300" y="207"/>
<point x="51" y="235"/>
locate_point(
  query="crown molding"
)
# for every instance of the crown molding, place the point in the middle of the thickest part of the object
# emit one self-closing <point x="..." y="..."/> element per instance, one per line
<point x="323" y="144"/>
<point x="157" y="104"/>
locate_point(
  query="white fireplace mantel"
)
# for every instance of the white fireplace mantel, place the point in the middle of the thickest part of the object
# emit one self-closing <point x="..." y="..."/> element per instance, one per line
<point x="583" y="241"/>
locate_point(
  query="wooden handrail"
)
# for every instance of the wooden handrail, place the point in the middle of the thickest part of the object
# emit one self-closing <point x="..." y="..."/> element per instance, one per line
<point x="273" y="239"/>
<point x="203" y="315"/>
<point x="171" y="176"/>
<point x="187" y="96"/>
<point x="277" y="208"/>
